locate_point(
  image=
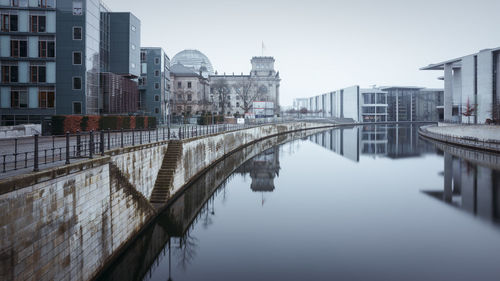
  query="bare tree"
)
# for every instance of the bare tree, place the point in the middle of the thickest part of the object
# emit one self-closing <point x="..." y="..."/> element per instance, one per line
<point x="220" y="91"/>
<point x="247" y="92"/>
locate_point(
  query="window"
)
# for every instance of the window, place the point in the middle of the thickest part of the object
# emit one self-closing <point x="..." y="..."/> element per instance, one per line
<point x="77" y="83"/>
<point x="77" y="108"/>
<point x="77" y="9"/>
<point x="43" y="4"/>
<point x="157" y="85"/>
<point x="37" y="23"/>
<point x="157" y="110"/>
<point x="189" y="85"/>
<point x="77" y="33"/>
<point x="77" y="58"/>
<point x="10" y="73"/>
<point x="179" y="108"/>
<point x="18" y="48"/>
<point x="142" y="80"/>
<point x="18" y="99"/>
<point x="157" y="98"/>
<point x="46" y="99"/>
<point x="237" y="104"/>
<point x="157" y="73"/>
<point x="190" y="97"/>
<point x="157" y="60"/>
<point x="38" y="73"/>
<point x="143" y="56"/>
<point x="179" y="97"/>
<point x="189" y="108"/>
<point x="9" y="23"/>
<point x="46" y="49"/>
<point x="14" y="3"/>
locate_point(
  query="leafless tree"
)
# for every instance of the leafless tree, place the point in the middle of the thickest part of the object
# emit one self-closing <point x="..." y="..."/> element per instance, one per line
<point x="247" y="91"/>
<point x="220" y="90"/>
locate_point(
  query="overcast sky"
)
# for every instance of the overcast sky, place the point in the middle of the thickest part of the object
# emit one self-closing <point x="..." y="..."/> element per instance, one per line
<point x="322" y="45"/>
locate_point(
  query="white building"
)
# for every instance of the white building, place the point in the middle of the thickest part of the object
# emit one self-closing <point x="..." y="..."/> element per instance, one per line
<point x="471" y="82"/>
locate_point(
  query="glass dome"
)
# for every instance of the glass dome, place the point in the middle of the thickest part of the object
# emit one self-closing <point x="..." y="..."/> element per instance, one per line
<point x="194" y="59"/>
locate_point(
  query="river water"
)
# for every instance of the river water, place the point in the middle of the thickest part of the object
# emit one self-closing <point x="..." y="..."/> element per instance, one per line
<point x="363" y="203"/>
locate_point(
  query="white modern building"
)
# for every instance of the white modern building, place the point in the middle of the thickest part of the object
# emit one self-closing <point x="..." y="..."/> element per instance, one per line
<point x="471" y="82"/>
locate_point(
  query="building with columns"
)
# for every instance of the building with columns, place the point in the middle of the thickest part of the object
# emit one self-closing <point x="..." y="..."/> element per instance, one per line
<point x="259" y="90"/>
<point x="471" y="82"/>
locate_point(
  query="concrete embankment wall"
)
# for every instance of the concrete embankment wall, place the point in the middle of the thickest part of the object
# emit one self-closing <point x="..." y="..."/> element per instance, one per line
<point x="483" y="137"/>
<point x="67" y="227"/>
<point x="66" y="223"/>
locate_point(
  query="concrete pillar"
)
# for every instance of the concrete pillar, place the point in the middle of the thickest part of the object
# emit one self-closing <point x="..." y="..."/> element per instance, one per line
<point x="448" y="92"/>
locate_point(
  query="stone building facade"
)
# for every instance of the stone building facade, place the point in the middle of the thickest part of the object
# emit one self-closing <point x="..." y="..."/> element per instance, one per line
<point x="261" y="85"/>
<point x="190" y="92"/>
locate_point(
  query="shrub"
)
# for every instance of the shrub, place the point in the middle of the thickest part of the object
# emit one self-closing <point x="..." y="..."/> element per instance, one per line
<point x="57" y="127"/>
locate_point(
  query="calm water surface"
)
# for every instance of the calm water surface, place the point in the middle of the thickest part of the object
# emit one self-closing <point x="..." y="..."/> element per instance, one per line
<point x="364" y="203"/>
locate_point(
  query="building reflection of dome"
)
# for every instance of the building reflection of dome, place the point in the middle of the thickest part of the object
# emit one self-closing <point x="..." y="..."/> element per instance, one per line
<point x="194" y="59"/>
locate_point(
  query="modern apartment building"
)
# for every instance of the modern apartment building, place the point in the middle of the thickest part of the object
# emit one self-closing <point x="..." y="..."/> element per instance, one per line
<point x="154" y="84"/>
<point x="41" y="78"/>
<point x="27" y="61"/>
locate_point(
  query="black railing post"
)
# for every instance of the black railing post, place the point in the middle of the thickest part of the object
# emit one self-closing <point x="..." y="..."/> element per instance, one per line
<point x="109" y="139"/>
<point x="67" y="148"/>
<point x="180" y="133"/>
<point x="35" y="165"/>
<point x="121" y="138"/>
<point x="163" y="133"/>
<point x="156" y="134"/>
<point x="15" y="154"/>
<point x="102" y="143"/>
<point x="149" y="136"/>
<point x="133" y="137"/>
<point x="78" y="144"/>
<point x="91" y="144"/>
<point x="140" y="136"/>
<point x="169" y="133"/>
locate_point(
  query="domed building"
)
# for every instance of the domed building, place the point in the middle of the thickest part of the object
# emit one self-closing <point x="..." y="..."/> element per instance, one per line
<point x="193" y="59"/>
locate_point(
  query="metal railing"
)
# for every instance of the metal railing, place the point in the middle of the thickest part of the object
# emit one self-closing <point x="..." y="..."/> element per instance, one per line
<point x="38" y="151"/>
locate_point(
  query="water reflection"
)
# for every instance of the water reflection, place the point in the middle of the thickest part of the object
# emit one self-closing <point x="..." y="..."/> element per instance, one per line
<point x="470" y="184"/>
<point x="392" y="141"/>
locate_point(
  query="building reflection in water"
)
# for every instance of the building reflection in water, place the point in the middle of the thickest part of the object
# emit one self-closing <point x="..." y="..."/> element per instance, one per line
<point x="262" y="170"/>
<point x="471" y="185"/>
<point x="392" y="141"/>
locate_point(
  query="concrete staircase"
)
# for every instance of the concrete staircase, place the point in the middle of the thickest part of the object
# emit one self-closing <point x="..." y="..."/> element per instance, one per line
<point x="163" y="184"/>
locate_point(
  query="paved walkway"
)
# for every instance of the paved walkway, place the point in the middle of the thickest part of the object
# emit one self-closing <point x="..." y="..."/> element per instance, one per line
<point x="480" y="132"/>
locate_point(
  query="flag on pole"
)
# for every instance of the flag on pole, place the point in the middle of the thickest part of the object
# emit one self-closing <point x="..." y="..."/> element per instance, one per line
<point x="263" y="48"/>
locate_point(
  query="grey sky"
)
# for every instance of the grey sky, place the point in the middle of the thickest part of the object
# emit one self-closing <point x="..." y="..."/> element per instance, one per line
<point x="321" y="46"/>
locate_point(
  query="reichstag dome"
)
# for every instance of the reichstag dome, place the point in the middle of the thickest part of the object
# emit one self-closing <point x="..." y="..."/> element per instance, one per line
<point x="194" y="59"/>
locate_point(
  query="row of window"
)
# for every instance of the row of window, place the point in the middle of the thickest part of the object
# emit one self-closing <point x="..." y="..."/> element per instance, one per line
<point x="10" y="74"/>
<point x="19" y="99"/>
<point x="10" y="22"/>
<point x="144" y="57"/>
<point x="19" y="48"/>
<point x="179" y="85"/>
<point x="41" y="3"/>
